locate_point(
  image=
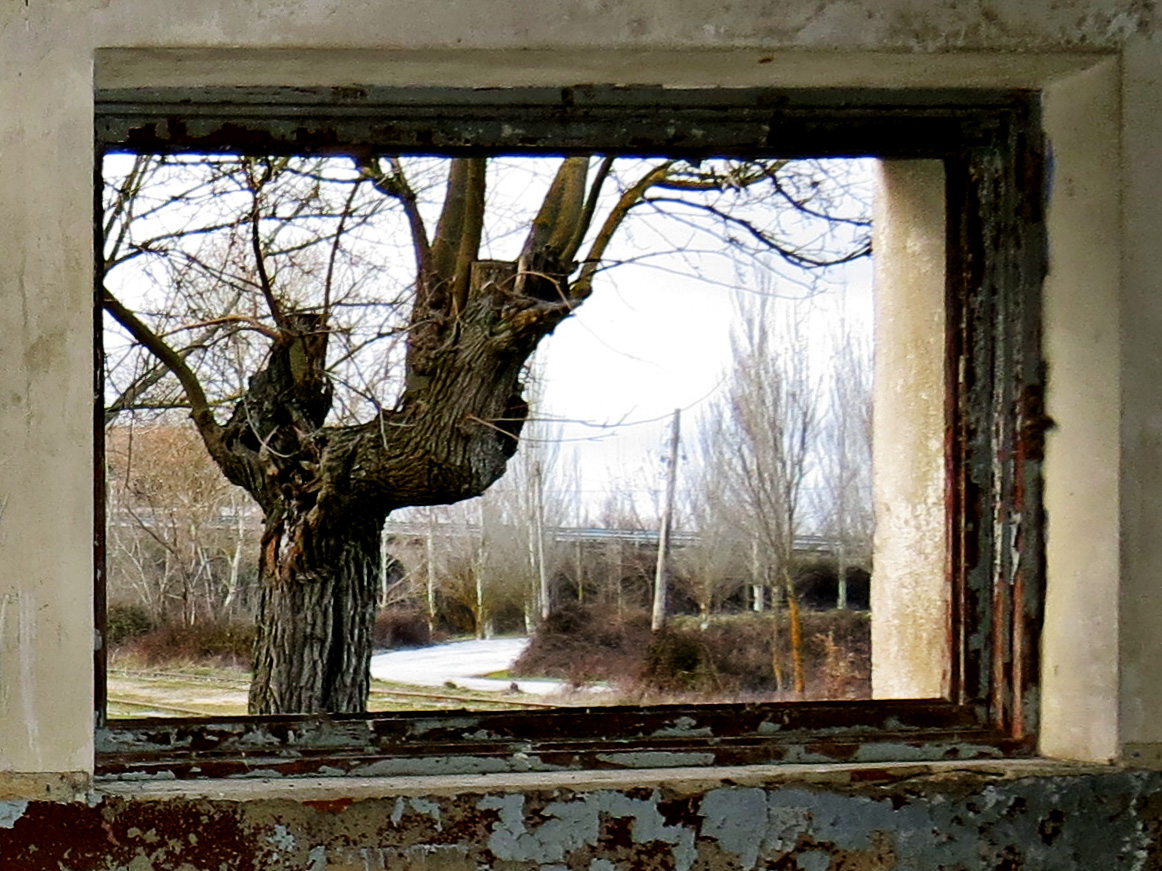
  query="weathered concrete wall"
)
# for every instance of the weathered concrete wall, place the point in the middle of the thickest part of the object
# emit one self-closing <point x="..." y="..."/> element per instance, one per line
<point x="55" y="53"/>
<point x="1140" y="461"/>
<point x="1038" y="819"/>
<point x="895" y="25"/>
<point x="1081" y="345"/>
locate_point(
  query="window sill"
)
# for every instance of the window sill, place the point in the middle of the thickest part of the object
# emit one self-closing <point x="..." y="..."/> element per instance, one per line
<point x="681" y="780"/>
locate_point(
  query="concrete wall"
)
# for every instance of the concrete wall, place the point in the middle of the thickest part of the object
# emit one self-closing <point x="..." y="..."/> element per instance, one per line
<point x="1081" y="344"/>
<point x="870" y="819"/>
<point x="1100" y="62"/>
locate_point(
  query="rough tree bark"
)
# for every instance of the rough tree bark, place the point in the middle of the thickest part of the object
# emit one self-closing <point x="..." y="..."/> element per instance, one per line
<point x="326" y="490"/>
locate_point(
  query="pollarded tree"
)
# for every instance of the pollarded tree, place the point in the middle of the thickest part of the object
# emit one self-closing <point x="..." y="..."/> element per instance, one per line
<point x="363" y="393"/>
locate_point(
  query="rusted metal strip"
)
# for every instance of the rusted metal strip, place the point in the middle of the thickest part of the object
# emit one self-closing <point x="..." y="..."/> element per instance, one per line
<point x="642" y="120"/>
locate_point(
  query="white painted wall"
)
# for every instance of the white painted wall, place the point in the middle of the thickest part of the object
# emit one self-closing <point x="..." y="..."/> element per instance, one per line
<point x="48" y="50"/>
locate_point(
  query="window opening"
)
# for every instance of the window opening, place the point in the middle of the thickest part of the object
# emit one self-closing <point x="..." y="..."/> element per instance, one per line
<point x="259" y="282"/>
<point x="750" y="270"/>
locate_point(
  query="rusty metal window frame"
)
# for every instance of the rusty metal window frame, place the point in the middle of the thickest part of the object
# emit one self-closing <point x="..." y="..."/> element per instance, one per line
<point x="991" y="145"/>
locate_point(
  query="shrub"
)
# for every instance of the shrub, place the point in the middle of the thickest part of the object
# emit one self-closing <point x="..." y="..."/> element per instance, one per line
<point x="733" y="658"/>
<point x="219" y="641"/>
<point x="838" y="645"/>
<point x="400" y="627"/>
<point x="581" y="644"/>
<point x="836" y="653"/>
<point x="741" y="650"/>
<point x="125" y="622"/>
<point x="680" y="662"/>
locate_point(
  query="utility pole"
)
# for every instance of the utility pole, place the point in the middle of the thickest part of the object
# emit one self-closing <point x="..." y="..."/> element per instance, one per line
<point x="539" y="540"/>
<point x="431" y="572"/>
<point x="663" y="570"/>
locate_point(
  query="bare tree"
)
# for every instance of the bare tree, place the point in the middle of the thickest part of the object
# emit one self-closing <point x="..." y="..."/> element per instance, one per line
<point x="665" y="529"/>
<point x="619" y="512"/>
<point x="522" y="512"/>
<point x="526" y="506"/>
<point x="719" y="553"/>
<point x="369" y="387"/>
<point x="845" y="451"/>
<point x="764" y="430"/>
<point x="458" y="551"/>
<point x="176" y="530"/>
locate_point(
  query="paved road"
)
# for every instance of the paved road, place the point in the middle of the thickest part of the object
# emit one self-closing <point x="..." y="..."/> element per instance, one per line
<point x="458" y="662"/>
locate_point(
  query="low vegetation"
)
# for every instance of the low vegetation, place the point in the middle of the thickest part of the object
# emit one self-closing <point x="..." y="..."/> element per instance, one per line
<point x="134" y="637"/>
<point x="124" y="623"/>
<point x="401" y="627"/>
<point x="736" y="657"/>
<point x="201" y="669"/>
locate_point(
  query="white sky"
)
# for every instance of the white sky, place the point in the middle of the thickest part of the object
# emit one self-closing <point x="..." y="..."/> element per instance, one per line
<point x="643" y="345"/>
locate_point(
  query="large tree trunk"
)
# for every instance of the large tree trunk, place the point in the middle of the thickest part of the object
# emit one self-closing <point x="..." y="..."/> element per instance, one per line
<point x="313" y="646"/>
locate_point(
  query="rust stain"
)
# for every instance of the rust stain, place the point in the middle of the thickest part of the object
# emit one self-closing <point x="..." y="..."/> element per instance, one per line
<point x="871" y="775"/>
<point x="839" y="752"/>
<point x="115" y="832"/>
<point x="330" y="806"/>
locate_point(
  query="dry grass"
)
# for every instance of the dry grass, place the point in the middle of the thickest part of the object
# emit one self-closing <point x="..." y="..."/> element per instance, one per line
<point x="219" y="643"/>
<point x="731" y="660"/>
<point x="139" y="686"/>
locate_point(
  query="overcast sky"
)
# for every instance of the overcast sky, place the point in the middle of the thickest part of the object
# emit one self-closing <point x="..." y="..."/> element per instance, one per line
<point x="645" y="344"/>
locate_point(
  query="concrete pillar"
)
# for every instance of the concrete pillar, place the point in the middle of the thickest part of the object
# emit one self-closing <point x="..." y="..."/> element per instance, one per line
<point x="1139" y="388"/>
<point x="46" y="400"/>
<point x="1082" y="344"/>
<point x="909" y="590"/>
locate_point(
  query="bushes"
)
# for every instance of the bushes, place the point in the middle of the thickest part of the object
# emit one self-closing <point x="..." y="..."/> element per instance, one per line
<point x="732" y="659"/>
<point x="228" y="642"/>
<point x="400" y="627"/>
<point x="680" y="662"/>
<point x="220" y="642"/>
<point x="123" y="622"/>
<point x="580" y="644"/>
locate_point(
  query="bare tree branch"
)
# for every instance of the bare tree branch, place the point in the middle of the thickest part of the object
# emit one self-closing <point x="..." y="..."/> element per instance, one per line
<point x="582" y="287"/>
<point x="171" y="359"/>
<point x="586" y="219"/>
<point x="794" y="256"/>
<point x="264" y="283"/>
<point x="396" y="186"/>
